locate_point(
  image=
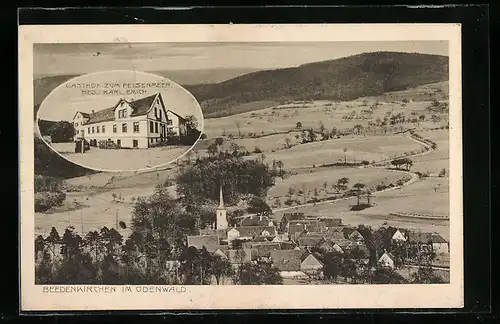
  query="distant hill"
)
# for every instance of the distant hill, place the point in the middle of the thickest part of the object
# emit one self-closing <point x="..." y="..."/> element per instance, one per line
<point x="367" y="74"/>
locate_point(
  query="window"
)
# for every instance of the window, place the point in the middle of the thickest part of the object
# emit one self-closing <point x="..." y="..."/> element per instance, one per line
<point x="103" y="129"/>
<point x="88" y="130"/>
<point x="120" y="113"/>
<point x="97" y="129"/>
<point x="151" y="130"/>
<point x="114" y="128"/>
<point x="76" y="124"/>
<point x="93" y="130"/>
<point x="156" y="112"/>
<point x="124" y="127"/>
<point x="124" y="113"/>
<point x="159" y="111"/>
<point x="136" y="127"/>
<point x="156" y="127"/>
<point x="169" y="121"/>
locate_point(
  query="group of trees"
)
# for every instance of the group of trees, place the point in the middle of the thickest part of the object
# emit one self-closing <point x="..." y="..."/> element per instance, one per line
<point x="406" y="162"/>
<point x="237" y="176"/>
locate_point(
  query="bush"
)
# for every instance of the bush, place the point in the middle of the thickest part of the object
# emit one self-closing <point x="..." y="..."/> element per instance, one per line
<point x="203" y="136"/>
<point x="257" y="150"/>
<point x="46" y="183"/>
<point x="365" y="162"/>
<point x="46" y="200"/>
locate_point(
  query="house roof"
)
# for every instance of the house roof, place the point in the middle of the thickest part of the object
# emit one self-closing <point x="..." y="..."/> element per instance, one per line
<point x="311" y="258"/>
<point x="210" y="242"/>
<point x="287" y="260"/>
<point x="264" y="249"/>
<point x="140" y="107"/>
<point x="168" y="110"/>
<point x="335" y="236"/>
<point x="309" y="240"/>
<point x="420" y="237"/>
<point x="331" y="222"/>
<point x="255" y="221"/>
<point x="84" y="114"/>
<point x="386" y="254"/>
<point x="255" y="230"/>
<point x="291" y="216"/>
<point x="295" y="228"/>
<point x="333" y="229"/>
<point x="107" y="114"/>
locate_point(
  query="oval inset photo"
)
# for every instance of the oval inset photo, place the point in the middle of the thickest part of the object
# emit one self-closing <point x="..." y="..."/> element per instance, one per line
<point x="120" y="121"/>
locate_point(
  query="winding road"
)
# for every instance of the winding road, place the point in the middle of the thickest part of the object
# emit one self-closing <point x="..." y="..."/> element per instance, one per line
<point x="413" y="179"/>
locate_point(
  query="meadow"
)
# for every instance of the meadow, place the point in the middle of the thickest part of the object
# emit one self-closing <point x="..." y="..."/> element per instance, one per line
<point x="358" y="148"/>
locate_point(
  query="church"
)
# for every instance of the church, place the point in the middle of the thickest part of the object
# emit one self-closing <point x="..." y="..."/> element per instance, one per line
<point x="130" y="124"/>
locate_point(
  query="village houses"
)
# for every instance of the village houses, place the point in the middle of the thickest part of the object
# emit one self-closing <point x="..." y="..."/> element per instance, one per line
<point x="130" y="123"/>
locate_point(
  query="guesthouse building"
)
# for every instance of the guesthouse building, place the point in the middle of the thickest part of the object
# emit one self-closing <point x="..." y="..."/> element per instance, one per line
<point x="130" y="124"/>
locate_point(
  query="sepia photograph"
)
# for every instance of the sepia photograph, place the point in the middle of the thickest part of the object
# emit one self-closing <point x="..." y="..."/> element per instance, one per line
<point x="234" y="163"/>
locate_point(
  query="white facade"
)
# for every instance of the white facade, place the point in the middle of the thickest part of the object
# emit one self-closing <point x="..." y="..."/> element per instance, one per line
<point x="398" y="237"/>
<point x="126" y="127"/>
<point x="386" y="261"/>
<point x="440" y="248"/>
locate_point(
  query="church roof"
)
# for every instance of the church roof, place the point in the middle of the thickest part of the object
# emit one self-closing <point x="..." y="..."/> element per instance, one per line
<point x="221" y="200"/>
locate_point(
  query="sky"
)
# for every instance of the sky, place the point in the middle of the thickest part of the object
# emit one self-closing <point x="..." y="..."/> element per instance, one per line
<point x="66" y="100"/>
<point x="64" y="59"/>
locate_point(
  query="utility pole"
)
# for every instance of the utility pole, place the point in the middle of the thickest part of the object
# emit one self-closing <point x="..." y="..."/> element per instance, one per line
<point x="81" y="220"/>
<point x="116" y="220"/>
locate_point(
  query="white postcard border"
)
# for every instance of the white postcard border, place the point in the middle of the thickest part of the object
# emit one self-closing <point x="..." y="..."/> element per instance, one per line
<point x="239" y="297"/>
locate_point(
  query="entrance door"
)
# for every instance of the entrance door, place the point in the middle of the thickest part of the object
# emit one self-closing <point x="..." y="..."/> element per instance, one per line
<point x="119" y="142"/>
<point x="135" y="143"/>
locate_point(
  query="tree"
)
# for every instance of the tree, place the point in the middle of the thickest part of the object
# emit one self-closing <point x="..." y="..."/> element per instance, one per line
<point x="298" y="125"/>
<point x="238" y="128"/>
<point x="258" y="206"/>
<point x="386" y="276"/>
<point x="357" y="187"/>
<point x="345" y="156"/>
<point x="162" y="216"/>
<point x="221" y="268"/>
<point x="442" y="173"/>
<point x="358" y="128"/>
<point x="62" y="132"/>
<point x="260" y="273"/>
<point x="333" y="132"/>
<point x="288" y="142"/>
<point x="342" y="183"/>
<point x="192" y="132"/>
<point x="202" y="180"/>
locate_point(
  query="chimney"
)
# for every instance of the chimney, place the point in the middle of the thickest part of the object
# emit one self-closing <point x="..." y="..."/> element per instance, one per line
<point x="93" y="112"/>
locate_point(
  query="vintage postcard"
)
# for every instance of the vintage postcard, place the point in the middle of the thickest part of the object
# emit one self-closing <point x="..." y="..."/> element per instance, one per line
<point x="174" y="167"/>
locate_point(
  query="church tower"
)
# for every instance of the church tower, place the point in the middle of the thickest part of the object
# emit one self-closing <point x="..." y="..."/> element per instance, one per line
<point x="221" y="220"/>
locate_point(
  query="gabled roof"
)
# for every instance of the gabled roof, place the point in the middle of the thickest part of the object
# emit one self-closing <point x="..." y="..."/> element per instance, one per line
<point x="168" y="110"/>
<point x="210" y="242"/>
<point x="311" y="257"/>
<point x="331" y="222"/>
<point x="255" y="230"/>
<point x="255" y="221"/>
<point x="420" y="237"/>
<point x="335" y="236"/>
<point x="103" y="115"/>
<point x="287" y="260"/>
<point x="309" y="240"/>
<point x="84" y="114"/>
<point x="139" y="107"/>
<point x="264" y="249"/>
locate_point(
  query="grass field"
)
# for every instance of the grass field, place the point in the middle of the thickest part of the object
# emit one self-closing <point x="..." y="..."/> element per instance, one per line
<point x="317" y="178"/>
<point x="438" y="159"/>
<point x="371" y="148"/>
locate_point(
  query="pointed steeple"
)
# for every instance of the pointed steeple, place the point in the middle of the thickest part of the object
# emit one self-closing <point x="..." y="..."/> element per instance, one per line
<point x="221" y="202"/>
